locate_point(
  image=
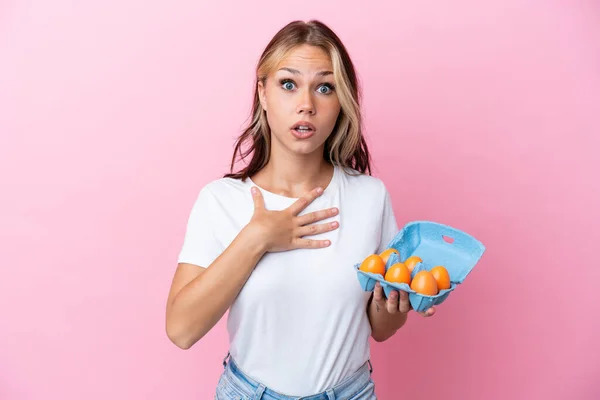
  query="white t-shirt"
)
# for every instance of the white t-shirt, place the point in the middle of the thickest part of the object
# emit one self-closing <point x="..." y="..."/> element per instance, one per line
<point x="299" y="325"/>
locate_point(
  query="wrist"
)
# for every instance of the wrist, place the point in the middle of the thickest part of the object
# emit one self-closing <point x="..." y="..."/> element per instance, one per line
<point x="255" y="241"/>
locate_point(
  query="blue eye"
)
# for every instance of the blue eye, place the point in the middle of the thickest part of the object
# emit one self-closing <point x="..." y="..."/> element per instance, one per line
<point x="287" y="85"/>
<point x="326" y="86"/>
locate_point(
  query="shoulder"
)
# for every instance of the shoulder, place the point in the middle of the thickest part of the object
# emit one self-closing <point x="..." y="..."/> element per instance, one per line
<point x="225" y="186"/>
<point x="222" y="190"/>
<point x="355" y="181"/>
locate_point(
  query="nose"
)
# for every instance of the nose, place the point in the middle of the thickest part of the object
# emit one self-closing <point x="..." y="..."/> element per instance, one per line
<point x="306" y="104"/>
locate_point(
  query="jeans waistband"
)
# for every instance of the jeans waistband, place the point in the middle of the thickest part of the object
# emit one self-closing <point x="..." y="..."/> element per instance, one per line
<point x="358" y="379"/>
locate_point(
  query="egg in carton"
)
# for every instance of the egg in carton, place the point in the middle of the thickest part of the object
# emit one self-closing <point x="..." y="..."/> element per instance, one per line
<point x="436" y="244"/>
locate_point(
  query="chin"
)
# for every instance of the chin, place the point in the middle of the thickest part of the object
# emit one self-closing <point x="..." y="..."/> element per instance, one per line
<point x="303" y="148"/>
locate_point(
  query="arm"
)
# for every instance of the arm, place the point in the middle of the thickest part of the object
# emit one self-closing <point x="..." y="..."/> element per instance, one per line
<point x="200" y="296"/>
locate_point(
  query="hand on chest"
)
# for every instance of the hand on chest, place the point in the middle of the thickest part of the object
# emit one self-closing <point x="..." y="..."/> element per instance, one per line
<point x="323" y="273"/>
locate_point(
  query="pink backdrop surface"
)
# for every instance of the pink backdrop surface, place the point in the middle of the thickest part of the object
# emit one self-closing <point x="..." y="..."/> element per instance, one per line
<point x="481" y="115"/>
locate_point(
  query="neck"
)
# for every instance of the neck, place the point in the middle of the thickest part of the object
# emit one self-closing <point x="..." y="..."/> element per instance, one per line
<point x="293" y="175"/>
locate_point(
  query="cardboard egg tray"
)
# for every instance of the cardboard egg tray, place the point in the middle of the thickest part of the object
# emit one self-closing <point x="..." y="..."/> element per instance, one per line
<point x="436" y="244"/>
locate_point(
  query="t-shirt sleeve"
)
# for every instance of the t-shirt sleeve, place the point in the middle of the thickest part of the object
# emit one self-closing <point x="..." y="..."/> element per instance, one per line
<point x="200" y="244"/>
<point x="389" y="225"/>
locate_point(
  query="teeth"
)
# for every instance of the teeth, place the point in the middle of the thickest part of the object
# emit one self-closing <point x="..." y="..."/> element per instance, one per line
<point x="303" y="128"/>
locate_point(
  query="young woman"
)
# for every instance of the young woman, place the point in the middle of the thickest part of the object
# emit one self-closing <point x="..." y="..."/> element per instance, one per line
<point x="275" y="243"/>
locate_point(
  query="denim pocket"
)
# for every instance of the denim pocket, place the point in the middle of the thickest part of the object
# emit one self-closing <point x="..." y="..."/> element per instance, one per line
<point x="366" y="393"/>
<point x="226" y="390"/>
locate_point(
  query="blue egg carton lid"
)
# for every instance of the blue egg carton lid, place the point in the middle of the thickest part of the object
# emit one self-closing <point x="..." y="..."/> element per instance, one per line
<point x="436" y="244"/>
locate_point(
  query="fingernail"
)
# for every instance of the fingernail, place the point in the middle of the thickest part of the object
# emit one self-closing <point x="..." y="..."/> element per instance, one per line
<point x="253" y="190"/>
<point x="319" y="190"/>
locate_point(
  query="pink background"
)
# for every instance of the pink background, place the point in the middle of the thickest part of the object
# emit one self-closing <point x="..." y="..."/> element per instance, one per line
<point x="481" y="115"/>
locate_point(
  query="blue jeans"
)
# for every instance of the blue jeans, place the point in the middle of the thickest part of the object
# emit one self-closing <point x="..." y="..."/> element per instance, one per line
<point x="235" y="385"/>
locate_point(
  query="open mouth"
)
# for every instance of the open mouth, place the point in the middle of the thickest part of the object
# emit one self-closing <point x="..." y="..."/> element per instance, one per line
<point x="303" y="129"/>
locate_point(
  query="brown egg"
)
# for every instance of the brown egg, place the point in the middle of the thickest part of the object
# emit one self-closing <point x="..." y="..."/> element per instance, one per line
<point x="441" y="276"/>
<point x="412" y="261"/>
<point x="385" y="255"/>
<point x="398" y="273"/>
<point x="424" y="283"/>
<point x="373" y="264"/>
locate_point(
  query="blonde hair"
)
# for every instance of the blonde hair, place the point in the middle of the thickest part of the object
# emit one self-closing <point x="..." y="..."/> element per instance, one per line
<point x="346" y="146"/>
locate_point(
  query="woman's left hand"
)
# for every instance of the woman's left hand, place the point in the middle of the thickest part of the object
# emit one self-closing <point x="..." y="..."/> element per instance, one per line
<point x="397" y="302"/>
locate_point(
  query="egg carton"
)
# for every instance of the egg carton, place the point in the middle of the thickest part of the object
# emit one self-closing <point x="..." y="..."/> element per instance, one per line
<point x="436" y="244"/>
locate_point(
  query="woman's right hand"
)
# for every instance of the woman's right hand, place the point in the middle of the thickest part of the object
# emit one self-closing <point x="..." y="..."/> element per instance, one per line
<point x="285" y="230"/>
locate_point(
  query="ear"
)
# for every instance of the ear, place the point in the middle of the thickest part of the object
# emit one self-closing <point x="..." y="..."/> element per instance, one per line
<point x="262" y="95"/>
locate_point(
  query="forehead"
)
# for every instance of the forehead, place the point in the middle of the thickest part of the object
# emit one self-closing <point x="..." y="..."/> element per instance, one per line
<point x="306" y="58"/>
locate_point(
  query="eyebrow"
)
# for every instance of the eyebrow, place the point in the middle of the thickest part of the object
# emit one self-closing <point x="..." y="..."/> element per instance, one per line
<point x="296" y="72"/>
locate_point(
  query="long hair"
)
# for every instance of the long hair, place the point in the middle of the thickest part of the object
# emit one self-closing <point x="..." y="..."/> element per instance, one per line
<point x="346" y="146"/>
